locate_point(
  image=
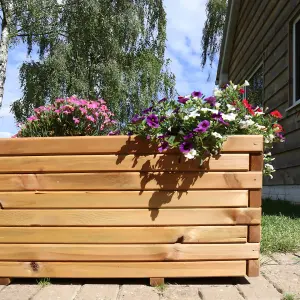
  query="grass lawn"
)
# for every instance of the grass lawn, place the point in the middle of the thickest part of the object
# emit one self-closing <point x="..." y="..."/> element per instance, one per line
<point x="280" y="227"/>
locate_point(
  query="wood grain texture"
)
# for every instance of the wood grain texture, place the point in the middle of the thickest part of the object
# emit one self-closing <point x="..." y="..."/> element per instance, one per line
<point x="130" y="217"/>
<point x="124" y="235"/>
<point x="92" y="163"/>
<point x="5" y="281"/>
<point x="121" y="252"/>
<point x="157" y="281"/>
<point x="124" y="199"/>
<point x="109" y="144"/>
<point x="131" y="181"/>
<point x="123" y="269"/>
<point x="256" y="161"/>
<point x="255" y="198"/>
<point x="254" y="234"/>
<point x="253" y="268"/>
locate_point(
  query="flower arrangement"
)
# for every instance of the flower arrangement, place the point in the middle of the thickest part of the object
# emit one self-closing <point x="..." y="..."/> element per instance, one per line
<point x="69" y="117"/>
<point x="198" y="126"/>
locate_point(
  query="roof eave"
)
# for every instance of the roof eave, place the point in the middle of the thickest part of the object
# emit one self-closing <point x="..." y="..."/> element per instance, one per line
<point x="227" y="41"/>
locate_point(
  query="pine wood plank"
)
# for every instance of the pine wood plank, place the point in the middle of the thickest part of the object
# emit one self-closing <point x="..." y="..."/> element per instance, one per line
<point x="130" y="217"/>
<point x="254" y="234"/>
<point x="122" y="269"/>
<point x="124" y="235"/>
<point x="256" y="161"/>
<point x="131" y="181"/>
<point x="255" y="197"/>
<point x="124" y="199"/>
<point x="5" y="281"/>
<point x="253" y="268"/>
<point x="157" y="281"/>
<point x="111" y="144"/>
<point x="121" y="252"/>
<point x="91" y="163"/>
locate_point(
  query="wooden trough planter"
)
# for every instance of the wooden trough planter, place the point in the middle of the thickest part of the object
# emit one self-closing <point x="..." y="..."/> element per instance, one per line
<point x="106" y="207"/>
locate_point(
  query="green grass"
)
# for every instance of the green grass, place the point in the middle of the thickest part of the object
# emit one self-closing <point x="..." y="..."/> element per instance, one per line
<point x="280" y="227"/>
<point x="289" y="297"/>
<point x="43" y="282"/>
<point x="161" y="288"/>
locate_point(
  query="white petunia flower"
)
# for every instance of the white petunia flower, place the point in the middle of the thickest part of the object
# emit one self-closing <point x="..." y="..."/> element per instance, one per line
<point x="246" y="124"/>
<point x="259" y="113"/>
<point x="217" y="92"/>
<point x="191" y="154"/>
<point x="217" y="105"/>
<point x="260" y="126"/>
<point x="234" y="87"/>
<point x="169" y="112"/>
<point x="194" y="114"/>
<point x="246" y="83"/>
<point x="217" y="135"/>
<point x="230" y="107"/>
<point x="248" y="117"/>
<point x="205" y="109"/>
<point x="229" y="117"/>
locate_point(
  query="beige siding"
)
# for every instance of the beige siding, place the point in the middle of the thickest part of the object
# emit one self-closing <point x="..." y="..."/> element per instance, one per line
<point x="263" y="36"/>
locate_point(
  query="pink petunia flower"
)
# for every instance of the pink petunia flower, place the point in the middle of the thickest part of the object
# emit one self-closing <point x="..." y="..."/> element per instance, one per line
<point x="91" y="118"/>
<point x="76" y="120"/>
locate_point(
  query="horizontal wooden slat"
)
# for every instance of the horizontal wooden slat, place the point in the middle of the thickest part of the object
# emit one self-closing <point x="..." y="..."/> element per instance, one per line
<point x="131" y="181"/>
<point x="111" y="144"/>
<point x="130" y="217"/>
<point x="124" y="235"/>
<point x="122" y="269"/>
<point x="124" y="199"/>
<point x="92" y="163"/>
<point x="121" y="252"/>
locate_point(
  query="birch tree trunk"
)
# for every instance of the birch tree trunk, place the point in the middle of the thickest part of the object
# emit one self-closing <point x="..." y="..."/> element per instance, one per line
<point x="4" y="43"/>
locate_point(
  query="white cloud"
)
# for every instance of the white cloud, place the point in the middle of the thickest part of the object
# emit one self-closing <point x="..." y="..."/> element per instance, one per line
<point x="5" y="134"/>
<point x="184" y="31"/>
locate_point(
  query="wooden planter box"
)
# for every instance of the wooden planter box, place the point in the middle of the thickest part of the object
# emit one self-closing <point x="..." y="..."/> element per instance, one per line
<point x="113" y="207"/>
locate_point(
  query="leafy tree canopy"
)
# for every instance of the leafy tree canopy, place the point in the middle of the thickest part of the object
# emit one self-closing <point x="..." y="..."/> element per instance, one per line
<point x="213" y="30"/>
<point x="113" y="49"/>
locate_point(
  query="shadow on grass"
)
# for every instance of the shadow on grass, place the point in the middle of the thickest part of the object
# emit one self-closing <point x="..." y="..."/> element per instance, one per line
<point x="280" y="208"/>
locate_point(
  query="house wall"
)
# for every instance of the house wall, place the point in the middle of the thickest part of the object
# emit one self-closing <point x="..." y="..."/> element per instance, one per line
<point x="264" y="35"/>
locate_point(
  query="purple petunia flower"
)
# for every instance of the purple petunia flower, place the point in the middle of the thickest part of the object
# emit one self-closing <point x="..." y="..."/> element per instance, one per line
<point x="163" y="118"/>
<point x="188" y="136"/>
<point x="152" y="121"/>
<point x="182" y="99"/>
<point x="185" y="147"/>
<point x="219" y="118"/>
<point x="129" y="133"/>
<point x="196" y="94"/>
<point x="202" y="126"/>
<point x="211" y="100"/>
<point x="176" y="110"/>
<point x="147" y="110"/>
<point x="163" y="146"/>
<point x="137" y="118"/>
<point x="162" y="100"/>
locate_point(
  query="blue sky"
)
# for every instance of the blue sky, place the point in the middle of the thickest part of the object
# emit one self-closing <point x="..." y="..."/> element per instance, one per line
<point x="184" y="30"/>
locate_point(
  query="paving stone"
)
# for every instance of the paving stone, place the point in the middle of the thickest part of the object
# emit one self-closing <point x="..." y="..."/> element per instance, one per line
<point x="19" y="291"/>
<point x="98" y="292"/>
<point x="57" y="292"/>
<point x="138" y="292"/>
<point x="259" y="288"/>
<point x="180" y="293"/>
<point x="285" y="259"/>
<point x="220" y="292"/>
<point x="286" y="278"/>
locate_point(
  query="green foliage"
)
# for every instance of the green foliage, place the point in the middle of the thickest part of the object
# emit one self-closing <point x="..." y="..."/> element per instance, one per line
<point x="198" y="126"/>
<point x="43" y="282"/>
<point x="280" y="227"/>
<point x="99" y="49"/>
<point x="213" y="29"/>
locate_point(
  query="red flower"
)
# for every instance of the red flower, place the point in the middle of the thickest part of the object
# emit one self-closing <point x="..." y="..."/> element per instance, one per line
<point x="248" y="106"/>
<point x="258" y="109"/>
<point x="242" y="91"/>
<point x="276" y="114"/>
<point x="278" y="128"/>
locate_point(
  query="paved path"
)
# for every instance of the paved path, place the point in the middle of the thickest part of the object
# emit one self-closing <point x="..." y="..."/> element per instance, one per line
<point x="280" y="275"/>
